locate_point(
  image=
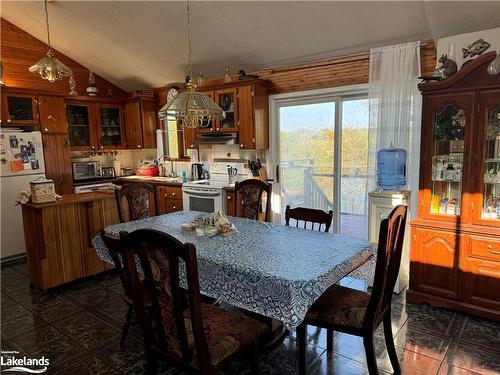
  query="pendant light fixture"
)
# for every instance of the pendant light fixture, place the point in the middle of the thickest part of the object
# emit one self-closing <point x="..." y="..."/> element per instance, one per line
<point x="49" y="67"/>
<point x="190" y="108"/>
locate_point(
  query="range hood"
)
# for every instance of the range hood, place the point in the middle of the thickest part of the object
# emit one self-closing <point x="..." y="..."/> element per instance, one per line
<point x="216" y="138"/>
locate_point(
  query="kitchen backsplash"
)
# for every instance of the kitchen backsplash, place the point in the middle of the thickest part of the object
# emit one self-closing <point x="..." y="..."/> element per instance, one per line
<point x="214" y="157"/>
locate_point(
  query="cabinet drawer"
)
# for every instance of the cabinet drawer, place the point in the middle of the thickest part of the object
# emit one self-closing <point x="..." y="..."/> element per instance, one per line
<point x="171" y="192"/>
<point x="485" y="248"/>
<point x="174" y="205"/>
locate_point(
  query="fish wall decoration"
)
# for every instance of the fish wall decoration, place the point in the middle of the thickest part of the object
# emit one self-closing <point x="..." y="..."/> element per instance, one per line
<point x="476" y="48"/>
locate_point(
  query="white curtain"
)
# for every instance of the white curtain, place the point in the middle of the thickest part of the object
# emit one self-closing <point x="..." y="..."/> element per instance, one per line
<point x="395" y="109"/>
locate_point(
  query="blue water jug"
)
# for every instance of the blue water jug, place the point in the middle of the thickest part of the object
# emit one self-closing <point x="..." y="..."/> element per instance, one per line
<point x="391" y="168"/>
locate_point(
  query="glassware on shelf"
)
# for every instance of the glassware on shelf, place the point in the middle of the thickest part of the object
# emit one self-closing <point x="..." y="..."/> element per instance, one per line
<point x="491" y="178"/>
<point x="227" y="75"/>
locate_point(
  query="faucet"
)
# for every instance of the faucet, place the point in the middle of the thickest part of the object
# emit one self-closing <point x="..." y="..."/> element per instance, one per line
<point x="173" y="174"/>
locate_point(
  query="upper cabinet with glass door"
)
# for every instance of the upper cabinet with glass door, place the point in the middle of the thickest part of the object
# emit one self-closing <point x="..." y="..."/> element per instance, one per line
<point x="450" y="127"/>
<point x="227" y="99"/>
<point x="490" y="176"/>
<point x="19" y="109"/>
<point x="79" y="129"/>
<point x="110" y="126"/>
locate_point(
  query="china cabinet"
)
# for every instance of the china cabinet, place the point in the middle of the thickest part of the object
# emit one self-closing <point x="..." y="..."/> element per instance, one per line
<point x="110" y="126"/>
<point x="81" y="134"/>
<point x="455" y="239"/>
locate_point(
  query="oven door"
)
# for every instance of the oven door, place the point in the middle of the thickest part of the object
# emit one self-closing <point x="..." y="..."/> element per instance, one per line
<point x="202" y="199"/>
<point x="86" y="170"/>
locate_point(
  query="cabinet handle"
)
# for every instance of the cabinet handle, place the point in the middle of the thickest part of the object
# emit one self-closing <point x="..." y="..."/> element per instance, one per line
<point x="46" y="130"/>
<point x="92" y="147"/>
<point x="173" y="207"/>
<point x="173" y="194"/>
<point x="9" y="120"/>
<point x="495" y="252"/>
<point x="102" y="147"/>
<point x="238" y="122"/>
<point x="138" y="146"/>
<point x="241" y="145"/>
<point x="228" y="197"/>
<point x="165" y="195"/>
<point x="192" y="146"/>
<point x="211" y="129"/>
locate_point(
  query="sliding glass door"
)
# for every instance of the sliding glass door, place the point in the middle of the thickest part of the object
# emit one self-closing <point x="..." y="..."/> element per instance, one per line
<point x="321" y="162"/>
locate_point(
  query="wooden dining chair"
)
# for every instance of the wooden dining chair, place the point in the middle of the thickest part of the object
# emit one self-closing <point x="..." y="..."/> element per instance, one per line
<point x="116" y="250"/>
<point x="249" y="199"/>
<point x="136" y="201"/>
<point x="186" y="331"/>
<point x="309" y="215"/>
<point x="360" y="313"/>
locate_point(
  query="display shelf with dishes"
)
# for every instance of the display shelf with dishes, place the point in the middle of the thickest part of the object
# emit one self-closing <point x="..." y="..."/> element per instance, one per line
<point x="110" y="118"/>
<point x="447" y="161"/>
<point x="78" y="125"/>
<point x="491" y="177"/>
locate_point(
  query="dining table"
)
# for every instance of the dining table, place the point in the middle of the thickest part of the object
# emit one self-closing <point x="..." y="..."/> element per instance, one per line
<point x="269" y="269"/>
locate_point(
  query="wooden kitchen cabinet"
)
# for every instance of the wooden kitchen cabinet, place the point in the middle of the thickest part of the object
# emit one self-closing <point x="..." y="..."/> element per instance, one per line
<point x="455" y="248"/>
<point x="52" y="112"/>
<point x="230" y="203"/>
<point x="141" y="124"/>
<point x="19" y="109"/>
<point x="58" y="237"/>
<point x="169" y="199"/>
<point x="56" y="152"/>
<point x="247" y="114"/>
<point x="110" y="126"/>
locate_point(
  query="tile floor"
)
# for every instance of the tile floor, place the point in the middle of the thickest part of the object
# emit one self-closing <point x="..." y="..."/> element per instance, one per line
<point x="78" y="328"/>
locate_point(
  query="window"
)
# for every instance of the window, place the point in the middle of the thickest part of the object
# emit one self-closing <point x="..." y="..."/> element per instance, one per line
<point x="174" y="140"/>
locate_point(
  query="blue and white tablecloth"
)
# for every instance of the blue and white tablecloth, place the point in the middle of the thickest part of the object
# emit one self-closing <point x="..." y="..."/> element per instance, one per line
<point x="270" y="269"/>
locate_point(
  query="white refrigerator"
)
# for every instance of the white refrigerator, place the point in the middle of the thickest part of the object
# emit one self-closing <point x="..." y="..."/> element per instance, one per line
<point x="21" y="161"/>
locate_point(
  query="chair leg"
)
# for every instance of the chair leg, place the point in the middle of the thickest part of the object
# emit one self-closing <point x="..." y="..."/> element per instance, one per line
<point x="371" y="359"/>
<point x="329" y="341"/>
<point x="126" y="325"/>
<point x="255" y="357"/>
<point x="389" y="342"/>
<point x="151" y="364"/>
<point x="301" y="342"/>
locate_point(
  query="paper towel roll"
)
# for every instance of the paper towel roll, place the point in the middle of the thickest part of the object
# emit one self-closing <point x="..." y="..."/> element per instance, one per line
<point x="117" y="166"/>
<point x="159" y="144"/>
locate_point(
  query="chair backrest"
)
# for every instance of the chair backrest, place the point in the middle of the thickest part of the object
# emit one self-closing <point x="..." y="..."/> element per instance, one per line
<point x="165" y="324"/>
<point x="249" y="198"/>
<point x="309" y="215"/>
<point x="136" y="201"/>
<point x="115" y="250"/>
<point x="390" y="247"/>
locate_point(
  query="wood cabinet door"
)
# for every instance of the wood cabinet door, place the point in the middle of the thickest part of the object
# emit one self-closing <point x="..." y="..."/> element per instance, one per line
<point x="111" y="127"/>
<point x="435" y="262"/>
<point x="52" y="114"/>
<point x="227" y="99"/>
<point x="230" y="203"/>
<point x="480" y="277"/>
<point x="133" y="128"/>
<point x="189" y="138"/>
<point x="448" y="128"/>
<point x="19" y="109"/>
<point x="485" y="207"/>
<point x="161" y="195"/>
<point x="246" y="128"/>
<point x="56" y="152"/>
<point x="149" y="124"/>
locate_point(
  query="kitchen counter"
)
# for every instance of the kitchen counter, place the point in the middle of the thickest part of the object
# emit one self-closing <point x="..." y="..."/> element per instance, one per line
<point x="151" y="180"/>
<point x="76" y="198"/>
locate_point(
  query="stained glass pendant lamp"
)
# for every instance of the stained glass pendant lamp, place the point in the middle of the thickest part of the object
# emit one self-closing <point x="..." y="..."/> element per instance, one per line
<point x="190" y="108"/>
<point x="49" y="67"/>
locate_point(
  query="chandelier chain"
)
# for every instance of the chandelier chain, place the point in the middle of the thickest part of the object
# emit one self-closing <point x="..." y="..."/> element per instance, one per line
<point x="47" y="24"/>
<point x="189" y="36"/>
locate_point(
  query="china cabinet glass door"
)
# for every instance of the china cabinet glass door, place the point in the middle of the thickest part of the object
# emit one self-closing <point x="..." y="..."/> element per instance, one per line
<point x="490" y="188"/>
<point x="449" y="129"/>
<point x="110" y="121"/>
<point x="78" y="125"/>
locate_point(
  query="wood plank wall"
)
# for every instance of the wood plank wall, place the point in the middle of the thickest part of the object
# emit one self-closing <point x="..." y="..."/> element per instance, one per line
<point x="341" y="71"/>
<point x="20" y="50"/>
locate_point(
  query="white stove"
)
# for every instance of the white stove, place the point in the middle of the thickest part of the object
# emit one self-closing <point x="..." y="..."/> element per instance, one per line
<point x="204" y="195"/>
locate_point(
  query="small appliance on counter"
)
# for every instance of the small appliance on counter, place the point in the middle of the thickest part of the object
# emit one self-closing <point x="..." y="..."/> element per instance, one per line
<point x="108" y="172"/>
<point x="86" y="170"/>
<point x="196" y="172"/>
<point x="127" y="171"/>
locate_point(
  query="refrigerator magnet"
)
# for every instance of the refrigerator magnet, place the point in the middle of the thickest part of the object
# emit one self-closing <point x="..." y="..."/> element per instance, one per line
<point x="16" y="165"/>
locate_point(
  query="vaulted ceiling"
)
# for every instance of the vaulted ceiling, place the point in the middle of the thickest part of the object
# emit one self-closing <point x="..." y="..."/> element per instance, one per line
<point x="138" y="44"/>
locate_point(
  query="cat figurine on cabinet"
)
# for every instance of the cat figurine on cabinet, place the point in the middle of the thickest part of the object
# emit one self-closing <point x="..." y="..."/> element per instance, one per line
<point x="448" y="66"/>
